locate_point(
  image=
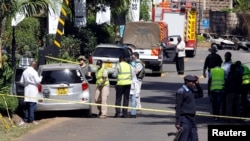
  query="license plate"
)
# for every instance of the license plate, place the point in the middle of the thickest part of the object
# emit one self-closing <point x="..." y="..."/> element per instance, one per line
<point x="62" y="91"/>
<point x="108" y="65"/>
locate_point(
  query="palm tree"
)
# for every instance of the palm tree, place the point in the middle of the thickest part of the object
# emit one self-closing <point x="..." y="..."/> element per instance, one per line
<point x="29" y="8"/>
<point x="242" y="8"/>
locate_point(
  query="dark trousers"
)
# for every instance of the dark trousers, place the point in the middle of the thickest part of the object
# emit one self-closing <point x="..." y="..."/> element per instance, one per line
<point x="189" y="132"/>
<point x="217" y="97"/>
<point x="244" y="102"/>
<point x="180" y="64"/>
<point x="122" y="91"/>
<point x="29" y="111"/>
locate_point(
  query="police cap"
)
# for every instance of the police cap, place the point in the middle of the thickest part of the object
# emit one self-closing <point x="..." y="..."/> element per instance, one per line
<point x="190" y="78"/>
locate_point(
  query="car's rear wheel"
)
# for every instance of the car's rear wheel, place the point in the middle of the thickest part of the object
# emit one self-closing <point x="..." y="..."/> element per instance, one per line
<point x="156" y="71"/>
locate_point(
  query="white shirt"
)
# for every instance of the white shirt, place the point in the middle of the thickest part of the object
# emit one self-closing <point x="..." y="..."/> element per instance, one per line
<point x="30" y="80"/>
<point x="226" y="67"/>
<point x="180" y="49"/>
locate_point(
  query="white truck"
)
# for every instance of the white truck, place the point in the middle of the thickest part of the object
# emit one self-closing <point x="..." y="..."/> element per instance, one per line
<point x="146" y="38"/>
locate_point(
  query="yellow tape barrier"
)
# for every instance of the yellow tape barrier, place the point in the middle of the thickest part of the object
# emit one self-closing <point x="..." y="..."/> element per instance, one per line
<point x="142" y="109"/>
<point x="63" y="60"/>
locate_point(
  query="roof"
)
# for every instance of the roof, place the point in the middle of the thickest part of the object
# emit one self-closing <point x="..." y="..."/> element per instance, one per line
<point x="59" y="65"/>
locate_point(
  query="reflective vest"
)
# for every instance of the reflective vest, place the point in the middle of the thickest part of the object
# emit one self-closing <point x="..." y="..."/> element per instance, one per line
<point x="218" y="78"/>
<point x="246" y="75"/>
<point x="99" y="77"/>
<point x="124" y="74"/>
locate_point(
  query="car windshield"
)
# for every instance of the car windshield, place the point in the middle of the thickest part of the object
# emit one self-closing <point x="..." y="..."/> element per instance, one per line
<point x="109" y="52"/>
<point x="61" y="76"/>
<point x="19" y="73"/>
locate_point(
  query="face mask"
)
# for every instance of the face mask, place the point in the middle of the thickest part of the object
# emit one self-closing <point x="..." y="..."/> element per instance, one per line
<point x="98" y="67"/>
<point x="133" y="63"/>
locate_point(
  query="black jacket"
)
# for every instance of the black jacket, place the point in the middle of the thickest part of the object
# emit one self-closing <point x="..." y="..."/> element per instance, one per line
<point x="185" y="101"/>
<point x="212" y="60"/>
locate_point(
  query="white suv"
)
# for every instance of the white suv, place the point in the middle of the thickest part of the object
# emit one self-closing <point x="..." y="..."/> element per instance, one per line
<point x="109" y="54"/>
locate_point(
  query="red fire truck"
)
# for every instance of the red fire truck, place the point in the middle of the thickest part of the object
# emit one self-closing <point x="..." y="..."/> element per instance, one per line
<point x="181" y="18"/>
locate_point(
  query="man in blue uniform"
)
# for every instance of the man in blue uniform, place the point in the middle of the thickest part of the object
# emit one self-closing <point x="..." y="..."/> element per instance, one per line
<point x="186" y="108"/>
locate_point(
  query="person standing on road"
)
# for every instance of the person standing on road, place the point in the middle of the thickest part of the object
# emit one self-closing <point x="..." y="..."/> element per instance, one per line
<point x="133" y="91"/>
<point x="140" y="73"/>
<point x="245" y="90"/>
<point x="124" y="77"/>
<point x="186" y="108"/>
<point x="102" y="89"/>
<point x="211" y="61"/>
<point x="85" y="67"/>
<point x="226" y="66"/>
<point x="180" y="55"/>
<point x="217" y="89"/>
<point x="233" y="87"/>
<point x="30" y="80"/>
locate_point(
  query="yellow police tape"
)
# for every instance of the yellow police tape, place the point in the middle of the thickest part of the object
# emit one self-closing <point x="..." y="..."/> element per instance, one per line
<point x="192" y="70"/>
<point x="142" y="109"/>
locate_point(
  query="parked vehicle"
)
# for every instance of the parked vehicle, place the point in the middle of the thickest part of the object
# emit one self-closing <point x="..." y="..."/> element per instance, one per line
<point x="16" y="87"/>
<point x="63" y="87"/>
<point x="243" y="43"/>
<point x="180" y="22"/>
<point x="146" y="39"/>
<point x="109" y="54"/>
<point x="218" y="41"/>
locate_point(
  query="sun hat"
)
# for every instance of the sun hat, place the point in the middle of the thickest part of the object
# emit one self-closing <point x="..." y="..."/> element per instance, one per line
<point x="81" y="58"/>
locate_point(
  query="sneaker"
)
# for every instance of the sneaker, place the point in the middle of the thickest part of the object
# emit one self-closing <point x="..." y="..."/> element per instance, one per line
<point x="102" y="116"/>
<point x="34" y="122"/>
<point x="21" y="123"/>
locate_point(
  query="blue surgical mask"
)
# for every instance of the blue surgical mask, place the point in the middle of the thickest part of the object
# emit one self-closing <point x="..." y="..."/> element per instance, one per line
<point x="132" y="63"/>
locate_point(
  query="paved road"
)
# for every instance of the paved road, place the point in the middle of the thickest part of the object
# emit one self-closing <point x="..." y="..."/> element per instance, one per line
<point x="157" y="93"/>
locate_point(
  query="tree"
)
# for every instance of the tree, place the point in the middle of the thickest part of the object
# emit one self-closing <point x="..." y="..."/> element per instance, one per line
<point x="242" y="9"/>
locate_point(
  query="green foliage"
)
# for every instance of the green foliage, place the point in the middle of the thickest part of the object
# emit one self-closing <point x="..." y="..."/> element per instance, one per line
<point x="26" y="35"/>
<point x="200" y="38"/>
<point x="8" y="102"/>
<point x="5" y="81"/>
<point x="144" y="11"/>
<point x="70" y="47"/>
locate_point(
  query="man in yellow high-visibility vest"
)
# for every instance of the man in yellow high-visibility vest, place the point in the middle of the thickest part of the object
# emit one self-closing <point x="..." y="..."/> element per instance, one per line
<point x="124" y="78"/>
<point x="102" y="88"/>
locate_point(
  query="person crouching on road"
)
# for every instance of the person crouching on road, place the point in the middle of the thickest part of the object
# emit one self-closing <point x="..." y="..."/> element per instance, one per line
<point x="186" y="108"/>
<point x="102" y="89"/>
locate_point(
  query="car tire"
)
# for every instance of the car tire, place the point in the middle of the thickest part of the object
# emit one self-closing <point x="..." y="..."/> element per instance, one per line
<point x="156" y="71"/>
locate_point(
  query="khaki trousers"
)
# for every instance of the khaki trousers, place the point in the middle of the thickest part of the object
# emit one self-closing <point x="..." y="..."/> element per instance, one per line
<point x="101" y="97"/>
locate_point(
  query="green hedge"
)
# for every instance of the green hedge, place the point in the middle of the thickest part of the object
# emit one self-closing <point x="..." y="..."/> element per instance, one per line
<point x="9" y="102"/>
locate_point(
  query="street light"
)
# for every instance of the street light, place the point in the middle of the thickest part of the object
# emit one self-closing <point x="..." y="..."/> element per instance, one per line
<point x="13" y="51"/>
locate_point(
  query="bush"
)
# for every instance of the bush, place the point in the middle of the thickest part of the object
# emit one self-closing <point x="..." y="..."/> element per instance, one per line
<point x="12" y="103"/>
<point x="200" y="38"/>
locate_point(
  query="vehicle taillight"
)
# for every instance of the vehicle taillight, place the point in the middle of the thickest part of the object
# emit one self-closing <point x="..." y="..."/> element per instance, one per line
<point x="85" y="86"/>
<point x="39" y="87"/>
<point x="90" y="60"/>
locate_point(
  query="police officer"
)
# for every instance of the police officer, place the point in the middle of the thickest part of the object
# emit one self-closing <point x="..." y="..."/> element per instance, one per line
<point x="217" y="89"/>
<point x="185" y="108"/>
<point x="102" y="89"/>
<point x="124" y="77"/>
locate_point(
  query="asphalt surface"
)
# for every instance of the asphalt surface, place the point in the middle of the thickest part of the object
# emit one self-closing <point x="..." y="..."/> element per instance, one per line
<point x="153" y="122"/>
